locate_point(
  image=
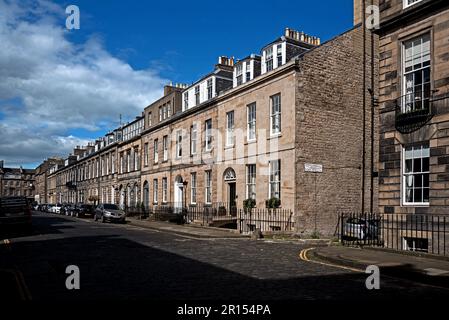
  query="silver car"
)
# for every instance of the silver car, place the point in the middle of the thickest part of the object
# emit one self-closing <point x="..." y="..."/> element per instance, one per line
<point x="108" y="212"/>
<point x="360" y="228"/>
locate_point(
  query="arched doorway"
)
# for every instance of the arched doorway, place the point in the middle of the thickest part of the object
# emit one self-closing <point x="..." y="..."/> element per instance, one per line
<point x="178" y="194"/>
<point x="146" y="194"/>
<point x="230" y="179"/>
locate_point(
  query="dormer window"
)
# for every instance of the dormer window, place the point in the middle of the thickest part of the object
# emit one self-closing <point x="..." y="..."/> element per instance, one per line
<point x="279" y="54"/>
<point x="209" y="89"/>
<point x="239" y="77"/>
<point x="248" y="71"/>
<point x="197" y="95"/>
<point x="409" y="3"/>
<point x="186" y="100"/>
<point x="269" y="59"/>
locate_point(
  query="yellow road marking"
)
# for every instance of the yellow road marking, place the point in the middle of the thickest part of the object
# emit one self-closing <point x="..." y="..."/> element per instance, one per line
<point x="20" y="281"/>
<point x="303" y="256"/>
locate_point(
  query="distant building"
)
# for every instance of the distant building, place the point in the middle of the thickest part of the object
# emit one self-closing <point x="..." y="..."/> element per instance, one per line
<point x="41" y="181"/>
<point x="17" y="182"/>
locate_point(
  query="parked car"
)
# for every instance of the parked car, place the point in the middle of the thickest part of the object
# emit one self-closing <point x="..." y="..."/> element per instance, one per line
<point x="360" y="228"/>
<point x="65" y="209"/>
<point x="56" y="208"/>
<point x="109" y="212"/>
<point x="15" y="212"/>
<point x="82" y="210"/>
<point x="48" y="208"/>
<point x="70" y="210"/>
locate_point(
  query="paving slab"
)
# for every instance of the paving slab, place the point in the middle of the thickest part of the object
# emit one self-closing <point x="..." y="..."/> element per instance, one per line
<point x="426" y="269"/>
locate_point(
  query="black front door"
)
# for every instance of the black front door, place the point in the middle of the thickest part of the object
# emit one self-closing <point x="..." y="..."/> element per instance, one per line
<point x="232" y="197"/>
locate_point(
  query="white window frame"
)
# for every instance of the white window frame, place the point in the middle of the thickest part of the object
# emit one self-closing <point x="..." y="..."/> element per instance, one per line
<point x="230" y="124"/>
<point x="136" y="159"/>
<point x="406" y="3"/>
<point x="207" y="135"/>
<point x="178" y="144"/>
<point x="186" y="100"/>
<point x="145" y="154"/>
<point x="269" y="58"/>
<point x="193" y="138"/>
<point x="193" y="187"/>
<point x="412" y="173"/>
<point x="279" y="54"/>
<point x="406" y="101"/>
<point x="165" y="147"/>
<point x="155" y="151"/>
<point x="197" y="95"/>
<point x="251" y="168"/>
<point x="164" y="190"/>
<point x="210" y="92"/>
<point x="274" y="115"/>
<point x="208" y="187"/>
<point x="270" y="181"/>
<point x="251" y="121"/>
<point x="155" y="191"/>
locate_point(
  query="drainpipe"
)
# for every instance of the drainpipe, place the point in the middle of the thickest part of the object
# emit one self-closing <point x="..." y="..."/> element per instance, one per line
<point x="364" y="106"/>
<point x="372" y="122"/>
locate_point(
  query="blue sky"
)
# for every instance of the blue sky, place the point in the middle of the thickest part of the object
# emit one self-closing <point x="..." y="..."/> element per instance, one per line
<point x="184" y="38"/>
<point x="61" y="88"/>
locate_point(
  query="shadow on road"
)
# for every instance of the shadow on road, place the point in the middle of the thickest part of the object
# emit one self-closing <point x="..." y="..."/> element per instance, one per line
<point x="112" y="267"/>
<point x="44" y="225"/>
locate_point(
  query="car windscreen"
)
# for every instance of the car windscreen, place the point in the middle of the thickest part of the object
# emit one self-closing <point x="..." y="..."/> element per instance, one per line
<point x="110" y="206"/>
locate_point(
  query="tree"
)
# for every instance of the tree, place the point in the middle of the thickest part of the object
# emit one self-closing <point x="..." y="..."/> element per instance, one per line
<point x="94" y="199"/>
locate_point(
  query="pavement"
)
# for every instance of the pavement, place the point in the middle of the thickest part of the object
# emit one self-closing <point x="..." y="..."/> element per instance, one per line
<point x="433" y="270"/>
<point x="187" y="229"/>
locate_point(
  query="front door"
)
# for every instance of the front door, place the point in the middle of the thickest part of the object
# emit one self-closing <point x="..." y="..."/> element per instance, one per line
<point x="232" y="194"/>
<point x="178" y="196"/>
<point x="232" y="198"/>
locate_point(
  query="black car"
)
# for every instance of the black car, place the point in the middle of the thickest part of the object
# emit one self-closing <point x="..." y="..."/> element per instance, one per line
<point x="82" y="210"/>
<point x="15" y="212"/>
<point x="65" y="209"/>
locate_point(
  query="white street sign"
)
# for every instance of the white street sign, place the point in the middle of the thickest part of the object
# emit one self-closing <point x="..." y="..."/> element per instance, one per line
<point x="311" y="167"/>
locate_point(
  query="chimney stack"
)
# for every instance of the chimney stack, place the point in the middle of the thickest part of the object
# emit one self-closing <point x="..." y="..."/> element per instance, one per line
<point x="301" y="37"/>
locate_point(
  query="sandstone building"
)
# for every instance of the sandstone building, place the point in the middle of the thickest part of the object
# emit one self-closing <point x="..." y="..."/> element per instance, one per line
<point x="250" y="129"/>
<point x="17" y="182"/>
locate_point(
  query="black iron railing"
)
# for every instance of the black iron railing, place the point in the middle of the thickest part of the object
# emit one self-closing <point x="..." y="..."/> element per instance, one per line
<point x="202" y="213"/>
<point x="410" y="232"/>
<point x="413" y="111"/>
<point x="265" y="220"/>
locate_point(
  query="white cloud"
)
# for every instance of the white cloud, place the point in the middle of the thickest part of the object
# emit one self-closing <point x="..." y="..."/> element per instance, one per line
<point x="50" y="85"/>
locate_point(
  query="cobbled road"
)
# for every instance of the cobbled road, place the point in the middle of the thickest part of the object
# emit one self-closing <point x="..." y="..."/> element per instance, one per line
<point x="128" y="262"/>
